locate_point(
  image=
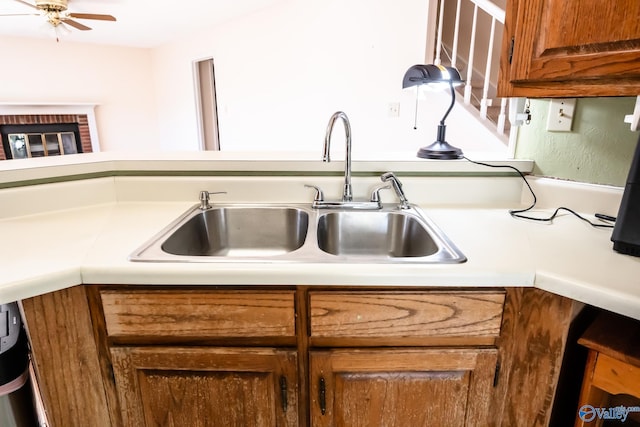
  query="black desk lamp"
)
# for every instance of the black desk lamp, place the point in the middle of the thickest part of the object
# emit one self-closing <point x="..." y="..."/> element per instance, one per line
<point x="436" y="74"/>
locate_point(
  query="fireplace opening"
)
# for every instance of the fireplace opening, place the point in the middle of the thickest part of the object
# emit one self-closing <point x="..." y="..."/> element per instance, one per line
<point x="21" y="141"/>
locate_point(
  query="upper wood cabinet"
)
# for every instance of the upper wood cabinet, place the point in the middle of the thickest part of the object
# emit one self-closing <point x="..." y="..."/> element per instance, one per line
<point x="570" y="48"/>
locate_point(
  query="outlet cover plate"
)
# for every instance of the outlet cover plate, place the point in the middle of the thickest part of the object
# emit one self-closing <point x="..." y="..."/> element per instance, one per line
<point x="394" y="109"/>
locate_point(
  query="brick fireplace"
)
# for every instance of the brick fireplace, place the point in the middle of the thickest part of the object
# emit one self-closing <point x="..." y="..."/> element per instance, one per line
<point x="81" y="120"/>
<point x="52" y="115"/>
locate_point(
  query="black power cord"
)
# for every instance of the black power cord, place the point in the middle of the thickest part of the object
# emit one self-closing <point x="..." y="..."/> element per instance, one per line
<point x="518" y="213"/>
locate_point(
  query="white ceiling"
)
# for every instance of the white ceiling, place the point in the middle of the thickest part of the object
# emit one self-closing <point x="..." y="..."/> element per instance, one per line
<point x="140" y="23"/>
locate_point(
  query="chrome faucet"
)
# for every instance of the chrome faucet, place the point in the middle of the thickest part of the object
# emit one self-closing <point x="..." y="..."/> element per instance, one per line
<point x="347" y="194"/>
<point x="397" y="186"/>
<point x="347" y="201"/>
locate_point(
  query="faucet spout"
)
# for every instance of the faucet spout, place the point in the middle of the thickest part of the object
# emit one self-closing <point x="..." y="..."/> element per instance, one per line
<point x="347" y="194"/>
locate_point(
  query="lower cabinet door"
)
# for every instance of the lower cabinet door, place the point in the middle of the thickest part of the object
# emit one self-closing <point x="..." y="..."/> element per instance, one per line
<point x="401" y="387"/>
<point x="203" y="386"/>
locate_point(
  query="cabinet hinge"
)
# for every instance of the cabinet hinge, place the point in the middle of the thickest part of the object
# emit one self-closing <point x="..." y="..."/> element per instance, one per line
<point x="513" y="42"/>
<point x="496" y="374"/>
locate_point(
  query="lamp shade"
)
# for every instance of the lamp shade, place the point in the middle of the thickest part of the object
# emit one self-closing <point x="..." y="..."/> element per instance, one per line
<point x="429" y="73"/>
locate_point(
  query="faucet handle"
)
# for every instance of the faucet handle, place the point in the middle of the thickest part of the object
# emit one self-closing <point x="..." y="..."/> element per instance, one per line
<point x="375" y="193"/>
<point x="319" y="197"/>
<point x="204" y="198"/>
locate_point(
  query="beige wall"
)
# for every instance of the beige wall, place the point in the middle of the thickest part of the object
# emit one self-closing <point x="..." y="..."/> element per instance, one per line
<point x="118" y="79"/>
<point x="280" y="73"/>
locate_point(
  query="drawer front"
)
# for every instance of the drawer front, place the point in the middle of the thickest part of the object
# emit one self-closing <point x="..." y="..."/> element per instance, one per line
<point x="406" y="314"/>
<point x="615" y="376"/>
<point x="199" y="314"/>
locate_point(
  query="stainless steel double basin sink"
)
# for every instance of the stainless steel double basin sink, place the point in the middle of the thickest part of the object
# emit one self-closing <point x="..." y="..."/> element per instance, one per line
<point x="298" y="233"/>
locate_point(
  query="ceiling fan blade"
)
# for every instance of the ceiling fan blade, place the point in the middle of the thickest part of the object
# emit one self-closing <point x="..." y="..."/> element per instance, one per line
<point x="20" y="14"/>
<point x="27" y="4"/>
<point x="92" y="16"/>
<point x="75" y="24"/>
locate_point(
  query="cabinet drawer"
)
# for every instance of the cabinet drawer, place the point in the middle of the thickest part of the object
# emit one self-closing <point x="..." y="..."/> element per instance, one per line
<point x="198" y="314"/>
<point x="408" y="315"/>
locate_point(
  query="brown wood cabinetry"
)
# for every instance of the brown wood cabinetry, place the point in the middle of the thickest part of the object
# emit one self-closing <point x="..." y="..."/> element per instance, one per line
<point x="405" y="318"/>
<point x="404" y="387"/>
<point x="612" y="373"/>
<point x="206" y="386"/>
<point x="213" y="381"/>
<point x="212" y="356"/>
<point x="406" y="370"/>
<point x="175" y="315"/>
<point x="570" y="49"/>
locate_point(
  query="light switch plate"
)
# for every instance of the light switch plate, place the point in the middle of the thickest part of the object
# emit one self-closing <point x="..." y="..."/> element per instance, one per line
<point x="561" y="113"/>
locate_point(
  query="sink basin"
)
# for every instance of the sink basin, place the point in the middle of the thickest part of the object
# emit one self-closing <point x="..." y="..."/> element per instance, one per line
<point x="240" y="232"/>
<point x="297" y="233"/>
<point x="229" y="232"/>
<point x="385" y="234"/>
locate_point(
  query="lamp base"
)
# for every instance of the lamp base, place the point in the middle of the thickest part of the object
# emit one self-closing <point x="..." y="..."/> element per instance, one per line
<point x="440" y="150"/>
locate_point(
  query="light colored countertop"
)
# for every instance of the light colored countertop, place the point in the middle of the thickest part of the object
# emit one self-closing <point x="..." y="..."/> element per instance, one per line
<point x="67" y="233"/>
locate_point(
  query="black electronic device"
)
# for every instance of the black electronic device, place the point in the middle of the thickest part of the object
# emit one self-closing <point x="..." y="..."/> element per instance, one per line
<point x="626" y="233"/>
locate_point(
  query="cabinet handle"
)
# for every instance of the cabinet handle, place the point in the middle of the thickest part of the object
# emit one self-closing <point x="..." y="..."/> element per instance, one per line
<point x="283" y="392"/>
<point x="322" y="396"/>
<point x="511" y="47"/>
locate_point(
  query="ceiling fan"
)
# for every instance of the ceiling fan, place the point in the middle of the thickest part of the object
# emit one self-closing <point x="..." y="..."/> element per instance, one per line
<point x="55" y="11"/>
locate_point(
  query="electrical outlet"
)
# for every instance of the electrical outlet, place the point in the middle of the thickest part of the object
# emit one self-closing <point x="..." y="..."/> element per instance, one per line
<point x="561" y="112"/>
<point x="394" y="109"/>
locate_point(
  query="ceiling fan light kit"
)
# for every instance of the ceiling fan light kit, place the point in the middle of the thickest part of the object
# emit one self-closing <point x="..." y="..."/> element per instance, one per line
<point x="52" y="5"/>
